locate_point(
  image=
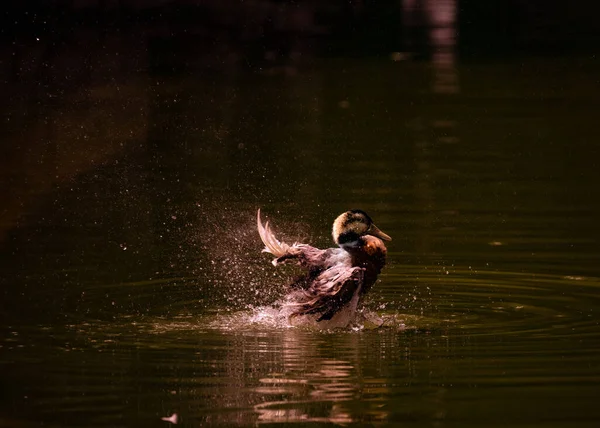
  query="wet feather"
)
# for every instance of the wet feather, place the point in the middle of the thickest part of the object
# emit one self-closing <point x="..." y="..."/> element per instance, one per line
<point x="335" y="278"/>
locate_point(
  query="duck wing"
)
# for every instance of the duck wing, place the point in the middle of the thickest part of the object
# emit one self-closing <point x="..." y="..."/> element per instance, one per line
<point x="332" y="290"/>
<point x="272" y="244"/>
<point x="305" y="255"/>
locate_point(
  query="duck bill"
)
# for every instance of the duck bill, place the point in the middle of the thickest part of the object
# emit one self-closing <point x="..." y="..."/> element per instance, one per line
<point x="374" y="231"/>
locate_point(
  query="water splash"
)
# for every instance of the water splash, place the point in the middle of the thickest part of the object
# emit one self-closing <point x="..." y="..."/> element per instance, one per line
<point x="279" y="317"/>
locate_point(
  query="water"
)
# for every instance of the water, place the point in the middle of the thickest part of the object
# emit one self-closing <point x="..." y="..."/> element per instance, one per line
<point x="133" y="286"/>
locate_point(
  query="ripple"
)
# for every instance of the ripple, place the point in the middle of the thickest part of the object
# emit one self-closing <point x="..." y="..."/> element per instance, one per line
<point x="497" y="302"/>
<point x="439" y="327"/>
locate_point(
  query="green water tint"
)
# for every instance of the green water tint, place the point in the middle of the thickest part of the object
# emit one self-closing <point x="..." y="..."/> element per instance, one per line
<point x="492" y="339"/>
<point x="133" y="286"/>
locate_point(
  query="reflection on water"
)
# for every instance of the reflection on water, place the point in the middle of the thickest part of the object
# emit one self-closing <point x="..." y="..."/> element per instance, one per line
<point x="439" y="19"/>
<point x="315" y="385"/>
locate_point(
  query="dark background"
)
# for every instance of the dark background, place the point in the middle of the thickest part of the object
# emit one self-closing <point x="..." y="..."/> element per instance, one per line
<point x="145" y="94"/>
<point x="172" y="32"/>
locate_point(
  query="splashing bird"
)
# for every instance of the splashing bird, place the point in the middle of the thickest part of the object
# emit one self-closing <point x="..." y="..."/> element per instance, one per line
<point x="335" y="278"/>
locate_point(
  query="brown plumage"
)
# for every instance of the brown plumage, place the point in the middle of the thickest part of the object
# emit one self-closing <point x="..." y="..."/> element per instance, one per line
<point x="336" y="277"/>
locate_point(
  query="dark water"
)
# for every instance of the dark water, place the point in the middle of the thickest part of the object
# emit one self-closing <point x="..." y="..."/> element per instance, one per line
<point x="133" y="286"/>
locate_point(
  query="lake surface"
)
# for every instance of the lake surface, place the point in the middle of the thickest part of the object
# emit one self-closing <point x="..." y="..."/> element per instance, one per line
<point x="133" y="286"/>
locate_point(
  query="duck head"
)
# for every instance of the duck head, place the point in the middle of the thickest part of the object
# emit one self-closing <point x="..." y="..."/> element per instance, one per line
<point x="351" y="225"/>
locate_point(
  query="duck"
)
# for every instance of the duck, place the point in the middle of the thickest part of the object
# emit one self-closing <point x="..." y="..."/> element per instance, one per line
<point x="334" y="279"/>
